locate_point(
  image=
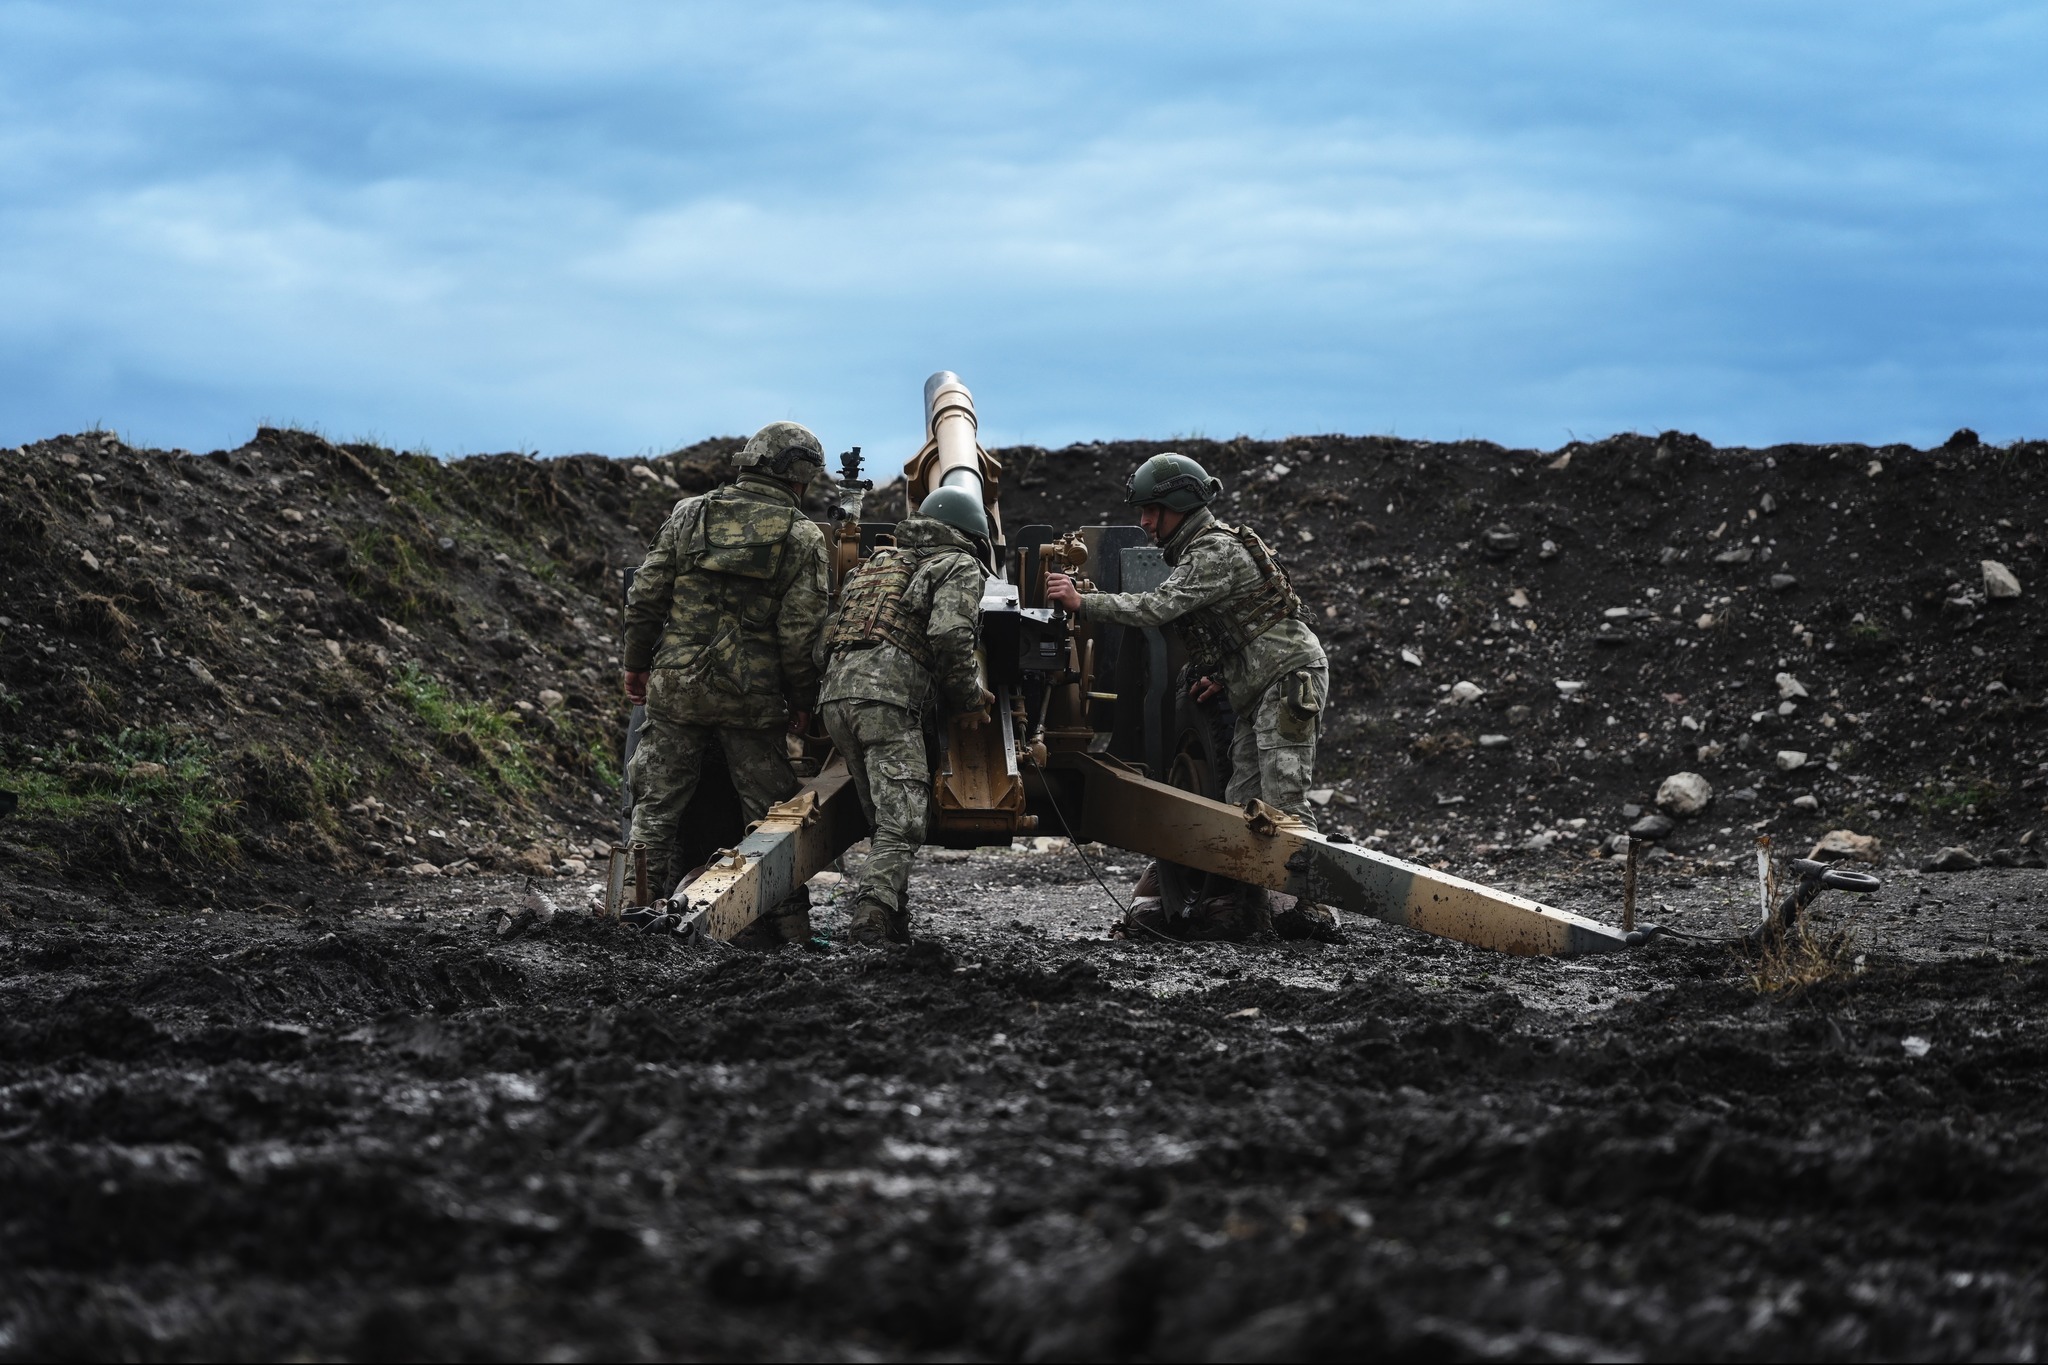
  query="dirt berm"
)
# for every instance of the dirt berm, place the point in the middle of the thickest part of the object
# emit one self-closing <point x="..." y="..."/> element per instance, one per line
<point x="290" y="728"/>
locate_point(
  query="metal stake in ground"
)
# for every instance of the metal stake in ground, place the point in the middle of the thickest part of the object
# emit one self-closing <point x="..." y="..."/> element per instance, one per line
<point x="1628" y="886"/>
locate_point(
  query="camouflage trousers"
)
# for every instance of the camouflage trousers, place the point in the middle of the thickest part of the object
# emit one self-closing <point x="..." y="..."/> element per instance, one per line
<point x="667" y="765"/>
<point x="1273" y="754"/>
<point x="884" y="748"/>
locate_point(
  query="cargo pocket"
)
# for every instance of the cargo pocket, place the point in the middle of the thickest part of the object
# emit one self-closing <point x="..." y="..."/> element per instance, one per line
<point x="1301" y="705"/>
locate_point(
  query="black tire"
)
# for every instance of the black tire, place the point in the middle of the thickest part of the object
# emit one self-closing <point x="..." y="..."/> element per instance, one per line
<point x="1199" y="763"/>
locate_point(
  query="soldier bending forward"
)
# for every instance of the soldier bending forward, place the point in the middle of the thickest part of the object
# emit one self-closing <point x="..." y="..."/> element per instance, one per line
<point x="903" y="638"/>
<point x="734" y="590"/>
<point x="1244" y="629"/>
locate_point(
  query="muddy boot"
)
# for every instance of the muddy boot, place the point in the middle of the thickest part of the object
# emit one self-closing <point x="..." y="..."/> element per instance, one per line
<point x="1295" y="918"/>
<point x="871" y="924"/>
<point x="1145" y="920"/>
<point x="1237" y="914"/>
<point x="1145" y="908"/>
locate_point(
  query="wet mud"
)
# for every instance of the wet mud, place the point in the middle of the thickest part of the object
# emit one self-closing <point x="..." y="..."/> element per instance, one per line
<point x="376" y="1130"/>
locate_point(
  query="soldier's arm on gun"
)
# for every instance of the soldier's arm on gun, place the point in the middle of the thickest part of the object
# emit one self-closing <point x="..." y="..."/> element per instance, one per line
<point x="647" y="608"/>
<point x="799" y="629"/>
<point x="1205" y="577"/>
<point x="954" y="628"/>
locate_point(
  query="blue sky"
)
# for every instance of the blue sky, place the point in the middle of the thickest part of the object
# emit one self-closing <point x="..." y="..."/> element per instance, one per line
<point x="625" y="227"/>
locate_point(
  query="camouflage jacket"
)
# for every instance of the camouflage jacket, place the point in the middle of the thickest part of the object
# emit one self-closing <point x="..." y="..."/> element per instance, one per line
<point x="734" y="591"/>
<point x="1211" y="568"/>
<point x="945" y="594"/>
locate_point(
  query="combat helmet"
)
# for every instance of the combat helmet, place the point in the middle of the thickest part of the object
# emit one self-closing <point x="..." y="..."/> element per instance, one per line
<point x="957" y="508"/>
<point x="783" y="450"/>
<point x="1172" y="480"/>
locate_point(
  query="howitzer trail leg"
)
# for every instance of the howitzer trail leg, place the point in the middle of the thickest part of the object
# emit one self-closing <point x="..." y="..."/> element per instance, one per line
<point x="793" y="842"/>
<point x="1265" y="848"/>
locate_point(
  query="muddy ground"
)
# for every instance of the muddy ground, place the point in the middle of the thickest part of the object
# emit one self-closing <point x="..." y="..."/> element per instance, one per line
<point x="290" y="726"/>
<point x="378" y="1131"/>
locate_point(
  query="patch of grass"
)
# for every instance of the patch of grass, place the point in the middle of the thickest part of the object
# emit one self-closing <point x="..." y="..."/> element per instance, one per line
<point x="602" y="761"/>
<point x="477" y="733"/>
<point x="185" y="790"/>
<point x="1803" y="958"/>
<point x="1976" y="797"/>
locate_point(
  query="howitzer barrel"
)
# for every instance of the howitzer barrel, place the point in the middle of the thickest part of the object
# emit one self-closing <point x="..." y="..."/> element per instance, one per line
<point x="952" y="456"/>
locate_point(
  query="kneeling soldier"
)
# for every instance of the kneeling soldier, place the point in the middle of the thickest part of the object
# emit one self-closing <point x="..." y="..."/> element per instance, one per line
<point x="903" y="638"/>
<point x="734" y="590"/>
<point x="1245" y="632"/>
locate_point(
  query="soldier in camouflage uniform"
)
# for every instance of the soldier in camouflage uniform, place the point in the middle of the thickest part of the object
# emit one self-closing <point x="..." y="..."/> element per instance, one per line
<point x="903" y="643"/>
<point x="1243" y="627"/>
<point x="720" y="628"/>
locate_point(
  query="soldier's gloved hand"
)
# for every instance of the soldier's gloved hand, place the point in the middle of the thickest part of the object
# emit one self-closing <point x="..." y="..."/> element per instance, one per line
<point x="1205" y="687"/>
<point x="636" y="686"/>
<point x="984" y="715"/>
<point x="1061" y="592"/>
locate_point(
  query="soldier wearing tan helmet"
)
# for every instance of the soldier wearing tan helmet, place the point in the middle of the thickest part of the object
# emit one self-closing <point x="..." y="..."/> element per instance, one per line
<point x="720" y="626"/>
<point x="1246" y="636"/>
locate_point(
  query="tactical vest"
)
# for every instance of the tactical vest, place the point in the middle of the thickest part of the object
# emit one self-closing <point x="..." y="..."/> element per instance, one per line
<point x="1229" y="626"/>
<point x="871" y="610"/>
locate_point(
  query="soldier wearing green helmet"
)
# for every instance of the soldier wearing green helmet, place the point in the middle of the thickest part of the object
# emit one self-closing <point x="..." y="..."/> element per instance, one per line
<point x="720" y="626"/>
<point x="1246" y="634"/>
<point x="899" y="653"/>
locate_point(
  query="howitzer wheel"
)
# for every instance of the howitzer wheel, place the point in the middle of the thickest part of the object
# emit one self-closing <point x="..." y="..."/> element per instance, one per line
<point x="1200" y="763"/>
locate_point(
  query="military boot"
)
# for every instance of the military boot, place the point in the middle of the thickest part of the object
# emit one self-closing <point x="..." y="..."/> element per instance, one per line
<point x="1293" y="917"/>
<point x="872" y="924"/>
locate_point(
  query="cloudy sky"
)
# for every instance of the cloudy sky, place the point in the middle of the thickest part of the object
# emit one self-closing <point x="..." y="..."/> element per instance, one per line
<point x="624" y="227"/>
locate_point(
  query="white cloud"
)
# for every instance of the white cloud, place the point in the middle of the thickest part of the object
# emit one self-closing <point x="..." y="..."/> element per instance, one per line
<point x="480" y="226"/>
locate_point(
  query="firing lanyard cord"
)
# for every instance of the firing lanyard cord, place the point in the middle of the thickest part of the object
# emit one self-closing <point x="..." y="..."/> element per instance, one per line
<point x="1076" y="844"/>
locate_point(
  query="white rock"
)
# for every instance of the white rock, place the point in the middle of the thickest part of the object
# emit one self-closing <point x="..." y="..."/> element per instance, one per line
<point x="291" y="514"/>
<point x="89" y="559"/>
<point x="1789" y="686"/>
<point x="1615" y="613"/>
<point x="641" y="471"/>
<point x="1465" y="693"/>
<point x="1322" y="796"/>
<point x="1409" y="656"/>
<point x="1519" y="599"/>
<point x="424" y="870"/>
<point x="1493" y="741"/>
<point x="1304" y="535"/>
<point x="1914" y="1045"/>
<point x="1806" y="802"/>
<point x="1999" y="580"/>
<point x="1850" y="846"/>
<point x="550" y="698"/>
<point x="1568" y="687"/>
<point x="1685" y="793"/>
<point x="1706" y="621"/>
<point x="199" y="671"/>
<point x="1788" y="759"/>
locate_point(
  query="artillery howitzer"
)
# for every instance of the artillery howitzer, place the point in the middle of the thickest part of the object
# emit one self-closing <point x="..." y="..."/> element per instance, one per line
<point x="1096" y="738"/>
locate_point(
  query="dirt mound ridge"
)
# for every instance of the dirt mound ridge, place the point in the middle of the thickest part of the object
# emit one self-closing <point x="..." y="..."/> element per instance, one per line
<point x="306" y="652"/>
